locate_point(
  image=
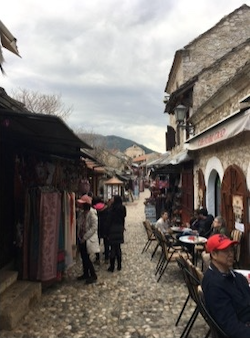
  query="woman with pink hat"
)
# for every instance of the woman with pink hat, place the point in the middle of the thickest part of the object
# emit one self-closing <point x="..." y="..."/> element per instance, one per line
<point x="87" y="238"/>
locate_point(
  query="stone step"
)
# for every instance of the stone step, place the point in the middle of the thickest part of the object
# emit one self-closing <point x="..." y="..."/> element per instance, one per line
<point x="16" y="301"/>
<point x="7" y="277"/>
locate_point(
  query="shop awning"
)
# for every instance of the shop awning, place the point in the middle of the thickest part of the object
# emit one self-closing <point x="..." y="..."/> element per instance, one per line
<point x="41" y="133"/>
<point x="113" y="180"/>
<point x="95" y="166"/>
<point x="181" y="157"/>
<point x="163" y="160"/>
<point x="224" y="130"/>
<point x="7" y="39"/>
<point x="170" y="163"/>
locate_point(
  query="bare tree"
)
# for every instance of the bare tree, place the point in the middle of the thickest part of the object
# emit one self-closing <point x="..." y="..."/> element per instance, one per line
<point x="37" y="102"/>
<point x="97" y="142"/>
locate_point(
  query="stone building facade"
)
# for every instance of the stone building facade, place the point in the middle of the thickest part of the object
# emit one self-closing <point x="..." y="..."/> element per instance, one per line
<point x="230" y="32"/>
<point x="134" y="151"/>
<point x="211" y="78"/>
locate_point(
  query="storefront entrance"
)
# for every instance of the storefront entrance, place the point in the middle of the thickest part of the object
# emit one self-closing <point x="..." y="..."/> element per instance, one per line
<point x="234" y="196"/>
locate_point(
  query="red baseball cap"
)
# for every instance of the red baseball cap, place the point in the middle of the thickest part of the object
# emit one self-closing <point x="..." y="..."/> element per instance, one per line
<point x="218" y="242"/>
<point x="85" y="199"/>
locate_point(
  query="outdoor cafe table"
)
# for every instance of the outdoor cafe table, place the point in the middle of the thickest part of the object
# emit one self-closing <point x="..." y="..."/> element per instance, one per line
<point x="180" y="229"/>
<point x="193" y="240"/>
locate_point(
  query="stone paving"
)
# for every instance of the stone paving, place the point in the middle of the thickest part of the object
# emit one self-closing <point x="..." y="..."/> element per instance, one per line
<point x="127" y="303"/>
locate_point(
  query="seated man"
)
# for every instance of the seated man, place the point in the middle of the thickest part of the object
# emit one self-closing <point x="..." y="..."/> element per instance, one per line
<point x="163" y="222"/>
<point x="218" y="227"/>
<point x="200" y="224"/>
<point x="226" y="292"/>
<point x="204" y="223"/>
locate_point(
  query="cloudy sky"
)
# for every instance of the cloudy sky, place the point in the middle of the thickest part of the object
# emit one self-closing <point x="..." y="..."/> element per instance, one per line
<point x="108" y="59"/>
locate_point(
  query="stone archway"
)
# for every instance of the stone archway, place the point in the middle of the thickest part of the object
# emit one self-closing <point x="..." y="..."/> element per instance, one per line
<point x="211" y="192"/>
<point x="213" y="170"/>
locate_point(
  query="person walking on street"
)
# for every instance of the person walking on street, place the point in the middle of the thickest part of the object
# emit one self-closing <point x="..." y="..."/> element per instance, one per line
<point x="87" y="238"/>
<point x="116" y="227"/>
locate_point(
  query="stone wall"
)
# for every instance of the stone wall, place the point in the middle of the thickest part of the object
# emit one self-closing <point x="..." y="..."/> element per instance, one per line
<point x="228" y="152"/>
<point x="231" y="105"/>
<point x="215" y="77"/>
<point x="230" y="32"/>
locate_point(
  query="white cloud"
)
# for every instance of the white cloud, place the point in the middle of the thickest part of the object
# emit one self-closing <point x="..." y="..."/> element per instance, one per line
<point x="108" y="59"/>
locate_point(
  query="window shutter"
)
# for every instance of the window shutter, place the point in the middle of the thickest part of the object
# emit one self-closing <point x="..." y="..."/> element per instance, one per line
<point x="170" y="138"/>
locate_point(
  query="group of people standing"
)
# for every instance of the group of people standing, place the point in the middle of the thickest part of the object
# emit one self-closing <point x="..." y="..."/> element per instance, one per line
<point x="96" y="221"/>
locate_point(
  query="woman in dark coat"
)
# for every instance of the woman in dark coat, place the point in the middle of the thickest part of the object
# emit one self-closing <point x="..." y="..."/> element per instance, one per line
<point x="116" y="222"/>
<point x="102" y="213"/>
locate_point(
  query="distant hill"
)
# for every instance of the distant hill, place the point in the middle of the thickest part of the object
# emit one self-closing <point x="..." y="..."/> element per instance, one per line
<point x="116" y="142"/>
<point x="112" y="142"/>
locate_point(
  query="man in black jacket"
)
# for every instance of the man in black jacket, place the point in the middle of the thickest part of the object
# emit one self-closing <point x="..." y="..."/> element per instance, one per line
<point x="226" y="292"/>
<point x="205" y="222"/>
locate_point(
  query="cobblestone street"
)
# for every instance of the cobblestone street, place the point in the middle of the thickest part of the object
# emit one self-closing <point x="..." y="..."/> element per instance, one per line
<point x="126" y="303"/>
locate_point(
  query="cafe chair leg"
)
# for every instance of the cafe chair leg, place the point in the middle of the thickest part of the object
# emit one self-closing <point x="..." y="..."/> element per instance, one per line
<point x="182" y="310"/>
<point x="154" y="252"/>
<point x="190" y="323"/>
<point x="164" y="267"/>
<point x="159" y="264"/>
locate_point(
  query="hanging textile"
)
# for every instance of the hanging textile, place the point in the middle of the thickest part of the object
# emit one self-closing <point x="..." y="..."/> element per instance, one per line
<point x="73" y="221"/>
<point x="50" y="208"/>
<point x="26" y="239"/>
<point x="49" y="235"/>
<point x="34" y="233"/>
<point x="69" y="226"/>
<point x="67" y="233"/>
<point x="61" y="251"/>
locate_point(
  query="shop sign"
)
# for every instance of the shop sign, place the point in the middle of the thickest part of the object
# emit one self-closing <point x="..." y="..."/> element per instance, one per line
<point x="237" y="204"/>
<point x="226" y="129"/>
<point x="212" y="138"/>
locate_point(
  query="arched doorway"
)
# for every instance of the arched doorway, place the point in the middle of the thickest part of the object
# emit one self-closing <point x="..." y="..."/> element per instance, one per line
<point x="234" y="188"/>
<point x="217" y="195"/>
<point x="213" y="193"/>
<point x="201" y="190"/>
<point x="233" y="184"/>
<point x="214" y="173"/>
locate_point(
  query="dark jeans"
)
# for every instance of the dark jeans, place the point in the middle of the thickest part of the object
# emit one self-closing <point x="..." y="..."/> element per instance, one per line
<point x="88" y="268"/>
<point x="106" y="249"/>
<point x="115" y="251"/>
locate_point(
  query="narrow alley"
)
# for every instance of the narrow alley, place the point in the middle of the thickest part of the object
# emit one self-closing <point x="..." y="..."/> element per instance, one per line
<point x="127" y="303"/>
